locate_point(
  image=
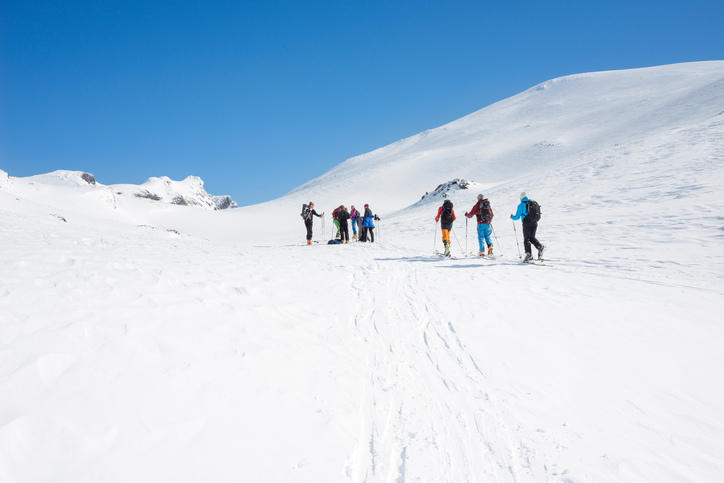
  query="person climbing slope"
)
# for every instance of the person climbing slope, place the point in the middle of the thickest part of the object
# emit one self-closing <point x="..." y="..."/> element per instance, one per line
<point x="354" y="218"/>
<point x="308" y="214"/>
<point x="342" y="217"/>
<point x="335" y="220"/>
<point x="529" y="211"/>
<point x="484" y="213"/>
<point x="369" y="225"/>
<point x="446" y="216"/>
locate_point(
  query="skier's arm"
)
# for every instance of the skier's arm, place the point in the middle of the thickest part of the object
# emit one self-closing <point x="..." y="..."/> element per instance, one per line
<point x="520" y="213"/>
<point x="453" y="213"/>
<point x="471" y="213"/>
<point x="314" y="212"/>
<point x="439" y="211"/>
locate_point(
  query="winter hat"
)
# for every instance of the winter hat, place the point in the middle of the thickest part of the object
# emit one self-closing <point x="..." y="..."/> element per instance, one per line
<point x="367" y="205"/>
<point x="480" y="196"/>
<point x="523" y="195"/>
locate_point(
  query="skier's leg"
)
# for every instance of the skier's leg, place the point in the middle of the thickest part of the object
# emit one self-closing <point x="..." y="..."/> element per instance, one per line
<point x="371" y="232"/>
<point x="533" y="238"/>
<point x="487" y="231"/>
<point x="481" y="238"/>
<point x="526" y="238"/>
<point x="309" y="230"/>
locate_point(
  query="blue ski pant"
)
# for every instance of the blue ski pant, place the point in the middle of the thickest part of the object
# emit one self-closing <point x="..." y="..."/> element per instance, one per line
<point x="484" y="232"/>
<point x="354" y="225"/>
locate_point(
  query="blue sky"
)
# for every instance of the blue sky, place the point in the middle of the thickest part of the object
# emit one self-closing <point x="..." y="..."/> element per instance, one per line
<point x="258" y="97"/>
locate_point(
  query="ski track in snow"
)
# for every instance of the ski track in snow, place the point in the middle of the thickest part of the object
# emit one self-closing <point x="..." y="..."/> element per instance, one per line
<point x="417" y="358"/>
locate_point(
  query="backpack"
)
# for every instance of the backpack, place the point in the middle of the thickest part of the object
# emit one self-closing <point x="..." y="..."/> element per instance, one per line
<point x="447" y="217"/>
<point x="343" y="215"/>
<point x="305" y="211"/>
<point x="533" y="215"/>
<point x="485" y="212"/>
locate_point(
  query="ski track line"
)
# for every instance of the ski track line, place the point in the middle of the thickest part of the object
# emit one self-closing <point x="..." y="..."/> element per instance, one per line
<point x="426" y="414"/>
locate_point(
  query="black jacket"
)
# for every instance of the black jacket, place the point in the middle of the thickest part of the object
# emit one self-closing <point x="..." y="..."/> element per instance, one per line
<point x="308" y="219"/>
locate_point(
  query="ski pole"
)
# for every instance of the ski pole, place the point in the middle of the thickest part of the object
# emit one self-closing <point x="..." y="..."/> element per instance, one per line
<point x="466" y="236"/>
<point x="458" y="242"/>
<point x="516" y="238"/>
<point x="498" y="241"/>
<point x="434" y="239"/>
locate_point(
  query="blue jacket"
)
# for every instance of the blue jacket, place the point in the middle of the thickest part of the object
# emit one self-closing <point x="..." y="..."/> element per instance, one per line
<point x="522" y="210"/>
<point x="368" y="223"/>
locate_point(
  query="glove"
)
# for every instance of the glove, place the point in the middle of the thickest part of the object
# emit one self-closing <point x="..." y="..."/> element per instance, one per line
<point x="466" y="213"/>
<point x="512" y="217"/>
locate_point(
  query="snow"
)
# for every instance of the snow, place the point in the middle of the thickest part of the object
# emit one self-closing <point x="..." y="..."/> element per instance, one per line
<point x="147" y="341"/>
<point x="189" y="191"/>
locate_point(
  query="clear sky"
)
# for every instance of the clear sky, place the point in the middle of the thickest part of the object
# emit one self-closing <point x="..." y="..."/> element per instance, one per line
<point x="258" y="97"/>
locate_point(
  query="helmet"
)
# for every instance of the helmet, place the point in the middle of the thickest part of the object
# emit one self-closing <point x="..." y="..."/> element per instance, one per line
<point x="523" y="195"/>
<point x="480" y="196"/>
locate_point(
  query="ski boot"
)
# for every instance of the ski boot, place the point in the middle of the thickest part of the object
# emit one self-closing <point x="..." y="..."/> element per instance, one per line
<point x="481" y="254"/>
<point x="528" y="258"/>
<point x="540" y="252"/>
<point x="447" y="249"/>
<point x="490" y="249"/>
<point x="309" y="242"/>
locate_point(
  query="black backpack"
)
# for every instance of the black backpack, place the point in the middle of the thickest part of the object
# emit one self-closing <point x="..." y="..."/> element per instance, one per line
<point x="447" y="208"/>
<point x="305" y="211"/>
<point x="485" y="213"/>
<point x="533" y="215"/>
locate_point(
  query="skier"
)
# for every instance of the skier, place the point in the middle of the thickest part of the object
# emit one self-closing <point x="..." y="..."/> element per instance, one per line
<point x="308" y="214"/>
<point x="484" y="214"/>
<point x="369" y="225"/>
<point x="353" y="218"/>
<point x="342" y="217"/>
<point x="336" y="220"/>
<point x="447" y="215"/>
<point x="529" y="211"/>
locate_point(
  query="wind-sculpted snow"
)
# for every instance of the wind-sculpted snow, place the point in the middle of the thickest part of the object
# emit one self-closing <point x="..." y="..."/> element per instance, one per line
<point x="145" y="341"/>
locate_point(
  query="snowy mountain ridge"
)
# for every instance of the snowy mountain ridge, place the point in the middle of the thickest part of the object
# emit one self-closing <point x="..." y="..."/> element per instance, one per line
<point x="187" y="192"/>
<point x="553" y="124"/>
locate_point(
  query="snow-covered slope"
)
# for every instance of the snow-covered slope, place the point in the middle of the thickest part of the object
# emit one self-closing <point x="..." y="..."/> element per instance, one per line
<point x="146" y="341"/>
<point x="554" y="124"/>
